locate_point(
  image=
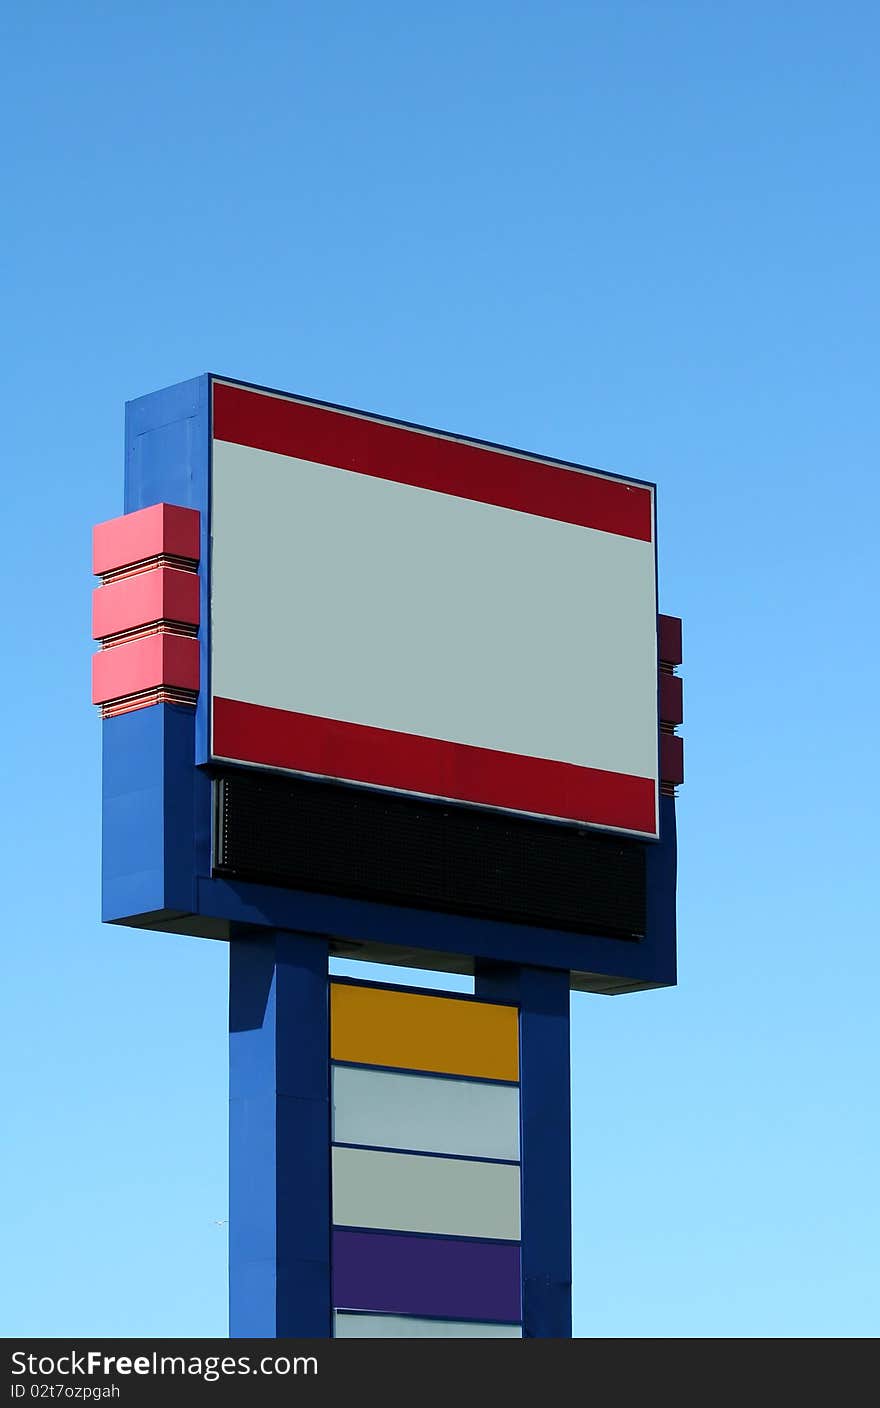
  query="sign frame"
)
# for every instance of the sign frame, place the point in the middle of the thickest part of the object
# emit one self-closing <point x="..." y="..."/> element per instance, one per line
<point x="159" y="805"/>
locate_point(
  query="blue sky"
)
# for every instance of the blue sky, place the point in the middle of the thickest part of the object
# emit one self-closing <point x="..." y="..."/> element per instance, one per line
<point x="640" y="235"/>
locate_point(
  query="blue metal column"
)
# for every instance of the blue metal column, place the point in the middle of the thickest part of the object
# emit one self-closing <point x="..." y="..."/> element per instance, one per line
<point x="545" y="1105"/>
<point x="279" y="1137"/>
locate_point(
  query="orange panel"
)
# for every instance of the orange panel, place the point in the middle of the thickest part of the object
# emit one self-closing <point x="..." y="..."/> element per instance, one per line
<point x="378" y="1027"/>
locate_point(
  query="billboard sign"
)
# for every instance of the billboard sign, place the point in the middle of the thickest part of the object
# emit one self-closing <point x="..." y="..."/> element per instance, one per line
<point x="386" y="684"/>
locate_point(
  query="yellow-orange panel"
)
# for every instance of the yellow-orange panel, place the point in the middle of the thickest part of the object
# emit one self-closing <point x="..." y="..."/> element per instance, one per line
<point x="378" y="1027"/>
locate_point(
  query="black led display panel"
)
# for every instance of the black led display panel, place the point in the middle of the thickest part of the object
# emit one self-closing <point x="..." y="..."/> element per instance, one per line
<point x="344" y="840"/>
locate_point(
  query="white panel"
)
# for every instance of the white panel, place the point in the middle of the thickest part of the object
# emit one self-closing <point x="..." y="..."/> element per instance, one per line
<point x="409" y="1327"/>
<point x="429" y="1113"/>
<point x="405" y="609"/>
<point x="417" y="1193"/>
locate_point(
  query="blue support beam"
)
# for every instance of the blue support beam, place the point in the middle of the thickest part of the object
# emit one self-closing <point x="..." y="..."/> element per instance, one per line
<point x="156" y="813"/>
<point x="545" y="1104"/>
<point x="279" y="1137"/>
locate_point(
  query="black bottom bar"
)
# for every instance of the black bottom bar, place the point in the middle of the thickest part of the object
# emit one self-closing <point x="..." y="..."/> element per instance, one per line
<point x="350" y="841"/>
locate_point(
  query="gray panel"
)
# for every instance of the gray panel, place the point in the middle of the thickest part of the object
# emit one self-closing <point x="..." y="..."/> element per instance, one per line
<point x="409" y="1327"/>
<point x="421" y="1193"/>
<point x="479" y="654"/>
<point x="399" y="1111"/>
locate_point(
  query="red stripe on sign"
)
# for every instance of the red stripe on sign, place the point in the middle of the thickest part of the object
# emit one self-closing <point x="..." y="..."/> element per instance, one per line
<point x="669" y="639"/>
<point x="279" y="738"/>
<point x="429" y="461"/>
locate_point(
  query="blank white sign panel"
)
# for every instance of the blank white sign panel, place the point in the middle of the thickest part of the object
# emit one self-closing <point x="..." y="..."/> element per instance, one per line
<point x="388" y="633"/>
<point x="410" y="1327"/>
<point x="395" y="1110"/>
<point x="415" y="1193"/>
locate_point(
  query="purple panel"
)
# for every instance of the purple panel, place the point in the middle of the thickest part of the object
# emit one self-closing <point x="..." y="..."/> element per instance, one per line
<point x="447" y="1276"/>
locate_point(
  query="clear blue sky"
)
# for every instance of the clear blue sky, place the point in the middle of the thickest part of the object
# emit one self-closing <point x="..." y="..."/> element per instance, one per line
<point x="636" y="233"/>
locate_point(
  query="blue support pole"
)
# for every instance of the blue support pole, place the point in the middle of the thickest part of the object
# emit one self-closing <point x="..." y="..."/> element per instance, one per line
<point x="279" y="1137"/>
<point x="545" y="1112"/>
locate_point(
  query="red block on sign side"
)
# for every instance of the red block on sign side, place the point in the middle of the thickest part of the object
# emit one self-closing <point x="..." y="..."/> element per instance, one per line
<point x="671" y="702"/>
<point x="149" y="532"/>
<point x="150" y="663"/>
<point x="162" y="594"/>
<point x="669" y="639"/>
<point x="671" y="759"/>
